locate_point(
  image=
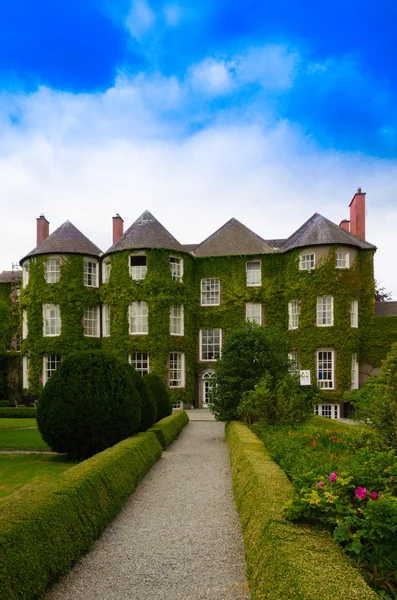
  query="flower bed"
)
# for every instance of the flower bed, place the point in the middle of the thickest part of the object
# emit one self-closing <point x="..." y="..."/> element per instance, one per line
<point x="345" y="482"/>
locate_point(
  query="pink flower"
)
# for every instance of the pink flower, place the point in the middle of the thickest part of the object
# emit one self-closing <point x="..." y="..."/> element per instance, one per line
<point x="320" y="484"/>
<point x="333" y="476"/>
<point x="374" y="495"/>
<point x="360" y="493"/>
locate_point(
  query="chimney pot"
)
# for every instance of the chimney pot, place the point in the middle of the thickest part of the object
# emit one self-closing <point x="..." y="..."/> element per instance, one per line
<point x="118" y="228"/>
<point x="43" y="229"/>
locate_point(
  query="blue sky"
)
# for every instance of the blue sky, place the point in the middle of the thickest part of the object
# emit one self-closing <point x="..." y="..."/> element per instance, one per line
<point x="198" y="111"/>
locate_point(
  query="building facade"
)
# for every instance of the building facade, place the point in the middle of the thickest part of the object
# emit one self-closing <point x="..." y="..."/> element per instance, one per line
<point x="167" y="307"/>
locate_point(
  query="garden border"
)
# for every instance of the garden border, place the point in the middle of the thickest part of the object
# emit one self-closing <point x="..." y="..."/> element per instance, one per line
<point x="284" y="560"/>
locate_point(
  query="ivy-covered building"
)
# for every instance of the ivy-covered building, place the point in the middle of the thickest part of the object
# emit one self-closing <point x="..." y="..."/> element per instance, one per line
<point x="167" y="307"/>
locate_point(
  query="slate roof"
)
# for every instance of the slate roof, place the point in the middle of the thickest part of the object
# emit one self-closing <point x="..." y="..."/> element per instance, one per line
<point x="67" y="239"/>
<point x="8" y="276"/>
<point x="233" y="238"/>
<point x="190" y="247"/>
<point x="146" y="232"/>
<point x="318" y="231"/>
<point x="386" y="309"/>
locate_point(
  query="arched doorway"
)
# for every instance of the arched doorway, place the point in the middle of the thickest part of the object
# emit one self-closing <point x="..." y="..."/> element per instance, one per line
<point x="207" y="384"/>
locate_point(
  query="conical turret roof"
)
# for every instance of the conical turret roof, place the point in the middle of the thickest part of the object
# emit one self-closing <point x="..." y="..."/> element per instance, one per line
<point x="67" y="239"/>
<point x="233" y="238"/>
<point x="146" y="232"/>
<point x="319" y="231"/>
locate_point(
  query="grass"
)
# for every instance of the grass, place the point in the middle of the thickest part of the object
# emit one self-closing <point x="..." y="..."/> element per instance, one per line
<point x="19" y="473"/>
<point x="17" y="423"/>
<point x="22" y="439"/>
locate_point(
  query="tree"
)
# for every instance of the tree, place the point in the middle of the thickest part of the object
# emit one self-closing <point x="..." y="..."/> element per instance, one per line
<point x="380" y="294"/>
<point x="248" y="354"/>
<point x="89" y="404"/>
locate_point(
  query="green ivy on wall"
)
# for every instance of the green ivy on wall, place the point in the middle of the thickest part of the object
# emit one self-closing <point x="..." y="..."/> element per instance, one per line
<point x="72" y="296"/>
<point x="160" y="292"/>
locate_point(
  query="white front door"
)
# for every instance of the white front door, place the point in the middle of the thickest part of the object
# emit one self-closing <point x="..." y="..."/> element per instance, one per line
<point x="207" y="385"/>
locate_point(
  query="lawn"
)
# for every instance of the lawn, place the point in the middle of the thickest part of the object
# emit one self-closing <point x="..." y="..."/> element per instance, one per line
<point x="21" y="472"/>
<point x="17" y="423"/>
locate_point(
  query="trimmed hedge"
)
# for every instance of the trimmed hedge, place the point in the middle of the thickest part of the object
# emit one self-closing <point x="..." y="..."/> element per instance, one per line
<point x="169" y="428"/>
<point x="148" y="404"/>
<point x="157" y="388"/>
<point x="284" y="560"/>
<point x="50" y="527"/>
<point x="18" y="413"/>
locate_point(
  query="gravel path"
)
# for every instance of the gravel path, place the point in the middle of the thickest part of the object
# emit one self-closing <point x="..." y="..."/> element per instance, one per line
<point x="177" y="538"/>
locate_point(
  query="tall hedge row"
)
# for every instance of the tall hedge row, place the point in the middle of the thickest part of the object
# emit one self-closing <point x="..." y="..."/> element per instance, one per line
<point x="159" y="392"/>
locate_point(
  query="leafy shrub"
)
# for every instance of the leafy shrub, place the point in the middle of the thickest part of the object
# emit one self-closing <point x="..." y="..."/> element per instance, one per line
<point x="148" y="405"/>
<point x="248" y="354"/>
<point x="359" y="504"/>
<point x="170" y="427"/>
<point x="89" y="404"/>
<point x="4" y="403"/>
<point x="159" y="392"/>
<point x="278" y="401"/>
<point x="376" y="402"/>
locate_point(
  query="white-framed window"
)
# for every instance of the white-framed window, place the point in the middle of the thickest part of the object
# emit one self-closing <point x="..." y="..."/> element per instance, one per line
<point x="177" y="370"/>
<point x="326" y="369"/>
<point x="138" y="318"/>
<point x="307" y="262"/>
<point x="106" y="320"/>
<point x="24" y="324"/>
<point x="52" y="270"/>
<point x="208" y="383"/>
<point x="176" y="265"/>
<point x="50" y="364"/>
<point x="25" y="273"/>
<point x="329" y="411"/>
<point x="137" y="266"/>
<point x="325" y="311"/>
<point x="210" y="292"/>
<point x="25" y="372"/>
<point x="342" y="260"/>
<point x="140" y="360"/>
<point x="106" y="267"/>
<point x="90" y="272"/>
<point x="91" y="321"/>
<point x="253" y="271"/>
<point x="294" y="362"/>
<point x="253" y="313"/>
<point x="354" y="313"/>
<point x="210" y="344"/>
<point x="355" y="372"/>
<point x="176" y="319"/>
<point x="51" y="320"/>
<point x="293" y="314"/>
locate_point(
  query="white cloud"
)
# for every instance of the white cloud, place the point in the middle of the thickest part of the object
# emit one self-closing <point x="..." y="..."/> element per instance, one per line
<point x="86" y="157"/>
<point x="141" y="19"/>
<point x="272" y="66"/>
<point x="211" y="77"/>
<point x="173" y="14"/>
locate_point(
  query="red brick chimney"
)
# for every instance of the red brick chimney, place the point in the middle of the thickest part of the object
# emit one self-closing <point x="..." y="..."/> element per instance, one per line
<point x="345" y="224"/>
<point x="118" y="228"/>
<point x="357" y="214"/>
<point x="43" y="229"/>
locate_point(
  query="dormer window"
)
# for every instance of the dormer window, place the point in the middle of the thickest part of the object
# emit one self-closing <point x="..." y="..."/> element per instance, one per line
<point x="90" y="272"/>
<point x="138" y="266"/>
<point x="53" y="270"/>
<point x="342" y="260"/>
<point x="307" y="262"/>
<point x="176" y="265"/>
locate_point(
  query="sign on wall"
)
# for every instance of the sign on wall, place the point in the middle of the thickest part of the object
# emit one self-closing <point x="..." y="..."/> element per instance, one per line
<point x="305" y="377"/>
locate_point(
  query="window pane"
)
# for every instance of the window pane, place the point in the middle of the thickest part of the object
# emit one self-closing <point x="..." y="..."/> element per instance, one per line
<point x="306" y="262"/>
<point x="293" y="314"/>
<point x="140" y="360"/>
<point x="176" y="369"/>
<point x="176" y="319"/>
<point x="51" y="363"/>
<point x="210" y="292"/>
<point x="325" y="316"/>
<point x="176" y="265"/>
<point x="325" y="369"/>
<point x="138" y="267"/>
<point x="52" y="320"/>
<point x="253" y="313"/>
<point x="90" y="273"/>
<point x="253" y="273"/>
<point x="138" y="317"/>
<point x="52" y="270"/>
<point x="90" y="321"/>
<point x="210" y="344"/>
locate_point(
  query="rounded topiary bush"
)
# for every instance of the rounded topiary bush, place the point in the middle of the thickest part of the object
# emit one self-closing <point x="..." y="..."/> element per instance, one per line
<point x="89" y="404"/>
<point x="148" y="404"/>
<point x="160" y="394"/>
